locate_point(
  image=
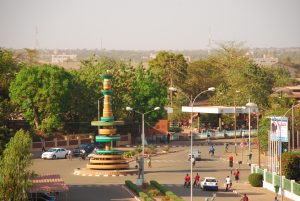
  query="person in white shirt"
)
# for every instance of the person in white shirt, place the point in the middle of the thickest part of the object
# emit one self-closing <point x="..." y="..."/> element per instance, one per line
<point x="228" y="183"/>
<point x="193" y="161"/>
<point x="70" y="155"/>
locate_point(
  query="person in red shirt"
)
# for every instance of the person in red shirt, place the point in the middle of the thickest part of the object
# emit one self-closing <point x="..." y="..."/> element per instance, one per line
<point x="196" y="181"/>
<point x="236" y="175"/>
<point x="187" y="181"/>
<point x="245" y="198"/>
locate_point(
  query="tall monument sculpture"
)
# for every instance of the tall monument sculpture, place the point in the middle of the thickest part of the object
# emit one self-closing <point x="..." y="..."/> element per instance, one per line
<point x="108" y="158"/>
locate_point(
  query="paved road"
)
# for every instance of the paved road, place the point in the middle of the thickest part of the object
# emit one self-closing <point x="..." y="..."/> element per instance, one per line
<point x="168" y="169"/>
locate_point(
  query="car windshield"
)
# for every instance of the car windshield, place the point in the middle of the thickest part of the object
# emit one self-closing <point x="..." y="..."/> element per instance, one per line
<point x="211" y="180"/>
<point x="52" y="150"/>
<point x="82" y="146"/>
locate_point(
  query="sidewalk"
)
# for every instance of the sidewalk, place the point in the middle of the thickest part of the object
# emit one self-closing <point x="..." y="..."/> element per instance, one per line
<point x="254" y="193"/>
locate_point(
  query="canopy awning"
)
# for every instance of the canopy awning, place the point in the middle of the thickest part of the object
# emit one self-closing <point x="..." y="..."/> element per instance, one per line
<point x="219" y="109"/>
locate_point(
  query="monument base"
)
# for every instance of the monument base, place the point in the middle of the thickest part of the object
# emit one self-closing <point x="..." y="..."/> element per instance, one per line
<point x="139" y="182"/>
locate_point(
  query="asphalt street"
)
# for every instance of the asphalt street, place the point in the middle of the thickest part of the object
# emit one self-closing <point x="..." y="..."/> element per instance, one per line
<point x="168" y="169"/>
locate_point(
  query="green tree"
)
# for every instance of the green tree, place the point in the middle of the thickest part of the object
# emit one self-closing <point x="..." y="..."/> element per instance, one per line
<point x="172" y="68"/>
<point x="202" y="74"/>
<point x="147" y="93"/>
<point x="14" y="168"/>
<point x="87" y="85"/>
<point x="8" y="71"/>
<point x="42" y="95"/>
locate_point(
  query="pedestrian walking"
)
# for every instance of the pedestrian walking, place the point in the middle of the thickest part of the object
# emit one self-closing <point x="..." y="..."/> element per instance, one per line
<point x="70" y="155"/>
<point x="236" y="175"/>
<point x="228" y="183"/>
<point x="193" y="161"/>
<point x="226" y="147"/>
<point x="187" y="181"/>
<point x="245" y="198"/>
<point x="196" y="181"/>
<point x="149" y="161"/>
<point x="275" y="199"/>
<point x="168" y="138"/>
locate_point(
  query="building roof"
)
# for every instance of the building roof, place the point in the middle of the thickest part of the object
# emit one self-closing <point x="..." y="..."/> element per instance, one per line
<point x="48" y="183"/>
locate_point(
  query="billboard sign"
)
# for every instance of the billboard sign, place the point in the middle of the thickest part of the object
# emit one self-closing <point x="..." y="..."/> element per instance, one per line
<point x="279" y="129"/>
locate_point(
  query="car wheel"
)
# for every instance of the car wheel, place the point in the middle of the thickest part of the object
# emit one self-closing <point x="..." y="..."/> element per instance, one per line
<point x="53" y="157"/>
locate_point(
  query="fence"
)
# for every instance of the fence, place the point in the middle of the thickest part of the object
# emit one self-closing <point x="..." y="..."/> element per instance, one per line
<point x="71" y="143"/>
<point x="291" y="189"/>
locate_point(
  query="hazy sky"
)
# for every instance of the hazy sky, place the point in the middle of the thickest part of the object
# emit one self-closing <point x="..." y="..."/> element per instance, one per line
<point x="148" y="25"/>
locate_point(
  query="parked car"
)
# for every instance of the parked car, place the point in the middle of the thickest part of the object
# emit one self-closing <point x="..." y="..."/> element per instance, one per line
<point x="54" y="153"/>
<point x="40" y="197"/>
<point x="209" y="183"/>
<point x="88" y="148"/>
<point x="97" y="147"/>
<point x="196" y="154"/>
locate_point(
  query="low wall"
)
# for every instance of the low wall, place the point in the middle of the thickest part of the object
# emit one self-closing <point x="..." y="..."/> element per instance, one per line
<point x="71" y="143"/>
<point x="290" y="188"/>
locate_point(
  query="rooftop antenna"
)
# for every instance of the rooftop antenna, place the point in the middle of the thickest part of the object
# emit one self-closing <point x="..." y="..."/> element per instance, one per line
<point x="36" y="42"/>
<point x="209" y="42"/>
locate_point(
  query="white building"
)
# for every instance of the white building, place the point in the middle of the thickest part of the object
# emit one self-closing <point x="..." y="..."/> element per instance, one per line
<point x="266" y="61"/>
<point x="60" y="58"/>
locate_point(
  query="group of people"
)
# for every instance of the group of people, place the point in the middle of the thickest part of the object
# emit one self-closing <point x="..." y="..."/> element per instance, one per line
<point x="187" y="181"/>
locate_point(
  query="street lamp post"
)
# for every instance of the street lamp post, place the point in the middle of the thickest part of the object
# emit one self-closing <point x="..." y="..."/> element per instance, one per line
<point x="237" y="91"/>
<point x="250" y="105"/>
<point x="142" y="179"/>
<point x="192" y="101"/>
<point x="191" y="132"/>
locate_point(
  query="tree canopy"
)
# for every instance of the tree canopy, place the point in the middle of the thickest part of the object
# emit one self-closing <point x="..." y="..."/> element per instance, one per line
<point x="170" y="67"/>
<point x="42" y="93"/>
<point x="14" y="168"/>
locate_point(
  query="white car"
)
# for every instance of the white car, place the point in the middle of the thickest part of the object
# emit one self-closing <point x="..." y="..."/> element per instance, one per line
<point x="209" y="183"/>
<point x="196" y="154"/>
<point x="54" y="153"/>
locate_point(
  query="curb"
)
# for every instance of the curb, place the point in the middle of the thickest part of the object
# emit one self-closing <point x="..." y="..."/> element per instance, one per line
<point x="131" y="193"/>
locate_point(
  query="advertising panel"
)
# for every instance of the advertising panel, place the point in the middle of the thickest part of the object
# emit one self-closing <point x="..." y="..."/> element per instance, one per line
<point x="279" y="129"/>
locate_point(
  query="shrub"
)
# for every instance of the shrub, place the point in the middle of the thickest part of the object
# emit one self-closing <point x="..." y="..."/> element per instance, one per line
<point x="175" y="129"/>
<point x="128" y="154"/>
<point x="153" y="192"/>
<point x="138" y="191"/>
<point x="291" y="164"/>
<point x="165" y="191"/>
<point x="255" y="179"/>
<point x="139" y="149"/>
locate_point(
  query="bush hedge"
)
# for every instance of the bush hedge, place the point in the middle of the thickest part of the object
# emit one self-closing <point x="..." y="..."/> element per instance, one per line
<point x="128" y="154"/>
<point x="256" y="179"/>
<point x="290" y="165"/>
<point x="165" y="191"/>
<point x="138" y="191"/>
